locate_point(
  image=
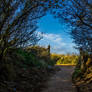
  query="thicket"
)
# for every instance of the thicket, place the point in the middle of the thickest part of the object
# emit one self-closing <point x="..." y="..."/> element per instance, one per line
<point x="82" y="76"/>
<point x="65" y="59"/>
<point x="24" y="69"/>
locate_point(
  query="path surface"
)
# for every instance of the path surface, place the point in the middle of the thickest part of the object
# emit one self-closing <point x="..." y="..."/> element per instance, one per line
<point x="61" y="81"/>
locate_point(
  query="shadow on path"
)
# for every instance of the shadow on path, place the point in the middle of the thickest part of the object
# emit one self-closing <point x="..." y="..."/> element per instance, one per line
<point x="61" y="81"/>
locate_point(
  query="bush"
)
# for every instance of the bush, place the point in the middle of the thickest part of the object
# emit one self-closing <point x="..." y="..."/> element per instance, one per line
<point x="67" y="59"/>
<point x="31" y="58"/>
<point x="55" y="57"/>
<point x="77" y="73"/>
<point x="28" y="58"/>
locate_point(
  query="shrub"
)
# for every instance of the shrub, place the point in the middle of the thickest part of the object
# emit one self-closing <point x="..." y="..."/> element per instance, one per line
<point x="67" y="59"/>
<point x="77" y="73"/>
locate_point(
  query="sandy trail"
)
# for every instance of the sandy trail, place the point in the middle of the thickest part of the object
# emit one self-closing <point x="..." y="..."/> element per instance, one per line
<point x="61" y="81"/>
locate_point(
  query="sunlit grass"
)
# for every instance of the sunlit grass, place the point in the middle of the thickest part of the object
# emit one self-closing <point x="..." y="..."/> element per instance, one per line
<point x="67" y="64"/>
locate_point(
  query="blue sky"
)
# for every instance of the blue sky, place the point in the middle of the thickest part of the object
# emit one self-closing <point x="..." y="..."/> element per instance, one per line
<point x="55" y="34"/>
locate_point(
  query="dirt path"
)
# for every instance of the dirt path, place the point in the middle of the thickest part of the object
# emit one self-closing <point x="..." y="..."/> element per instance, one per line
<point x="61" y="81"/>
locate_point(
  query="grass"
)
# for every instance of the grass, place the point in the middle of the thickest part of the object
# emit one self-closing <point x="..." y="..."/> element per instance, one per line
<point x="67" y="64"/>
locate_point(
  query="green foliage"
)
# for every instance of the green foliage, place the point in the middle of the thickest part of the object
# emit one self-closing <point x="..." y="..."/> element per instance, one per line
<point x="64" y="59"/>
<point x="35" y="57"/>
<point x="52" y="62"/>
<point x="28" y="59"/>
<point x="39" y="52"/>
<point x="83" y="67"/>
<point x="55" y="57"/>
<point x="21" y="65"/>
<point x="77" y="73"/>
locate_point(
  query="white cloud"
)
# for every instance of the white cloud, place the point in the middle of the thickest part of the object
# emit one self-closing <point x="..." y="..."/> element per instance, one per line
<point x="58" y="45"/>
<point x="53" y="38"/>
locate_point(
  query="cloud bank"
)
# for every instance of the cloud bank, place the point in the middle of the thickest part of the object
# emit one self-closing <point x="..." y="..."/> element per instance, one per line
<point x="57" y="43"/>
